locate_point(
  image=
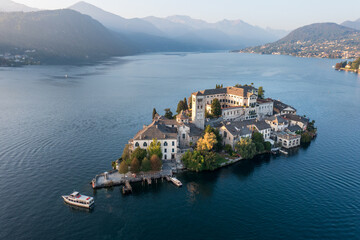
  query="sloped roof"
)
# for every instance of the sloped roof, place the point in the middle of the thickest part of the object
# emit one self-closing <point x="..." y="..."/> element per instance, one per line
<point x="296" y="118"/>
<point x="244" y="91"/>
<point x="280" y="106"/>
<point x="156" y="130"/>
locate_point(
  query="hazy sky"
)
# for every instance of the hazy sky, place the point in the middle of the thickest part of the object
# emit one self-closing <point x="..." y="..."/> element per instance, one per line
<point x="279" y="14"/>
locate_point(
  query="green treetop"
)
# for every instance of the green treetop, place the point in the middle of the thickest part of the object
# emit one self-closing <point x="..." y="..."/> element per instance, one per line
<point x="154" y="113"/>
<point x="155" y="148"/>
<point x="168" y="114"/>
<point x="261" y="93"/>
<point x="216" y="108"/>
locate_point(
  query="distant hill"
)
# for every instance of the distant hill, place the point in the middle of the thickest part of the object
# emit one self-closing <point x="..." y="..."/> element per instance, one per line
<point x="328" y="40"/>
<point x="10" y="6"/>
<point x="352" y="24"/>
<point x="60" y="36"/>
<point x="223" y="34"/>
<point x="143" y="34"/>
<point x="115" y="22"/>
<point x="318" y="32"/>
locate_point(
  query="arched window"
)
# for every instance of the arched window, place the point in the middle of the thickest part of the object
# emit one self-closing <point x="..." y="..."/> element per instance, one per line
<point x="165" y="143"/>
<point x="145" y="144"/>
<point x="136" y="144"/>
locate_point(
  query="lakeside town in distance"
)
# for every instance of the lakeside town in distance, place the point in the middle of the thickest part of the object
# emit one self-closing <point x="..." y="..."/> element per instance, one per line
<point x="213" y="128"/>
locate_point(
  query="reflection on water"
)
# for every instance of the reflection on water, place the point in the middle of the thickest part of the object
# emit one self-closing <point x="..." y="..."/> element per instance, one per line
<point x="58" y="133"/>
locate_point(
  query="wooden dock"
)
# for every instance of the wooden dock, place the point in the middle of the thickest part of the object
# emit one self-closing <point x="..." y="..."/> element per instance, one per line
<point x="114" y="178"/>
<point x="127" y="188"/>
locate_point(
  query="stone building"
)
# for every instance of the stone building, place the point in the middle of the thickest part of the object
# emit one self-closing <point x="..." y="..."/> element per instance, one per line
<point x="288" y="140"/>
<point x="281" y="108"/>
<point x="232" y="132"/>
<point x="236" y="102"/>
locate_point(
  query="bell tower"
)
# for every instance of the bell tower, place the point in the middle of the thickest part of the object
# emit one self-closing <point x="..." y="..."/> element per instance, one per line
<point x="198" y="110"/>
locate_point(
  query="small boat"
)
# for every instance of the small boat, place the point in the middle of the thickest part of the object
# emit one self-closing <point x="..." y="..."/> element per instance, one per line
<point x="79" y="200"/>
<point x="175" y="181"/>
<point x="284" y="152"/>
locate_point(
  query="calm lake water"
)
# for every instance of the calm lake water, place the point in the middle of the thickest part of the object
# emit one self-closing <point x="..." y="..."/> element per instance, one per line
<point x="57" y="133"/>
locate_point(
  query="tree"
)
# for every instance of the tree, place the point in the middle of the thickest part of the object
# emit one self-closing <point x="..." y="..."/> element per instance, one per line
<point x="185" y="104"/>
<point x="190" y="103"/>
<point x="126" y="153"/>
<point x="261" y="93"/>
<point x="305" y="138"/>
<point x="246" y="148"/>
<point x="198" y="161"/>
<point x="181" y="106"/>
<point x="155" y="148"/>
<point x="154" y="113"/>
<point x="259" y="147"/>
<point x="338" y="66"/>
<point x="139" y="154"/>
<point x="145" y="165"/>
<point x="257" y="137"/>
<point x="228" y="148"/>
<point x="219" y="86"/>
<point x="124" y="167"/>
<point x="267" y="146"/>
<point x="216" y="108"/>
<point x="155" y="162"/>
<point x="238" y="85"/>
<point x="218" y="146"/>
<point x="207" y="142"/>
<point x="135" y="165"/>
<point x="168" y="113"/>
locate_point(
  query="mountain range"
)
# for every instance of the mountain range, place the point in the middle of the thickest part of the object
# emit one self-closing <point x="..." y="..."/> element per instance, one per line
<point x="84" y="32"/>
<point x="328" y="40"/>
<point x="352" y="24"/>
<point x="10" y="6"/>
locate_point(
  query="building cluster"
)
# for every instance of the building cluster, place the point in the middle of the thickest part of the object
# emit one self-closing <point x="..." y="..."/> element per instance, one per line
<point x="242" y="114"/>
<point x="343" y="48"/>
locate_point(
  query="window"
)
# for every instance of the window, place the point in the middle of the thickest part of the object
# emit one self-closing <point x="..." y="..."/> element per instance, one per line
<point x="136" y="144"/>
<point x="165" y="143"/>
<point x="173" y="150"/>
<point x="173" y="143"/>
<point x="183" y="136"/>
<point x="165" y="156"/>
<point x="165" y="150"/>
<point x="145" y="144"/>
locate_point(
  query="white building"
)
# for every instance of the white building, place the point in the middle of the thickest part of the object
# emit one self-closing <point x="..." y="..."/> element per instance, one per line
<point x="236" y="103"/>
<point x="277" y="123"/>
<point x="288" y="140"/>
<point x="232" y="132"/>
<point x="264" y="108"/>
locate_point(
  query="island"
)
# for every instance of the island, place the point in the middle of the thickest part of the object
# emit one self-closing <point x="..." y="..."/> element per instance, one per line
<point x="349" y="66"/>
<point x="212" y="128"/>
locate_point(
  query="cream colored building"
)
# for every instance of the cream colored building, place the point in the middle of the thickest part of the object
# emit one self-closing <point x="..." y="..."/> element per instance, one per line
<point x="236" y="103"/>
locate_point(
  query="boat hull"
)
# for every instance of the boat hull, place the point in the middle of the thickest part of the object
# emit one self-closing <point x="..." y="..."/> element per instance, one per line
<point x="66" y="200"/>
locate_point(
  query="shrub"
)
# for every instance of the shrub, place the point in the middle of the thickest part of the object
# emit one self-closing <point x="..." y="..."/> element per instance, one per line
<point x="145" y="165"/>
<point x="156" y="163"/>
<point x="139" y="154"/>
<point x="135" y="166"/>
<point x="228" y="149"/>
<point x="124" y="167"/>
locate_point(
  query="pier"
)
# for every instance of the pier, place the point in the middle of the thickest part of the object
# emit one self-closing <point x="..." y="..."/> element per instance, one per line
<point x="114" y="178"/>
<point x="127" y="188"/>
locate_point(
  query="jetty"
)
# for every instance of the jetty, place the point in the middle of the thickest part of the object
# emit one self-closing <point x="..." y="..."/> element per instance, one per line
<point x="114" y="178"/>
<point x="127" y="188"/>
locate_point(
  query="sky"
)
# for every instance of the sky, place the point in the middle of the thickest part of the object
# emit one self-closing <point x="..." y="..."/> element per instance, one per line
<point x="276" y="14"/>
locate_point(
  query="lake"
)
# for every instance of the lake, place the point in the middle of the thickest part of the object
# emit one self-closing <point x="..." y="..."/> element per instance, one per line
<point x="58" y="132"/>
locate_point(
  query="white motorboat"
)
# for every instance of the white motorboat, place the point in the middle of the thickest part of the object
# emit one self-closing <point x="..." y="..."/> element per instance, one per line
<point x="79" y="200"/>
<point x="176" y="181"/>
